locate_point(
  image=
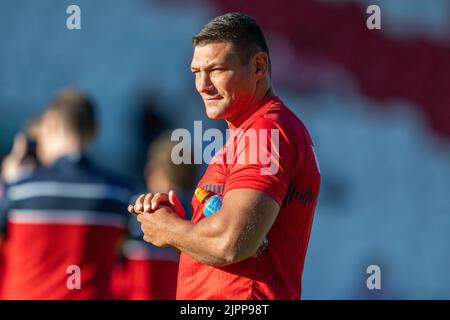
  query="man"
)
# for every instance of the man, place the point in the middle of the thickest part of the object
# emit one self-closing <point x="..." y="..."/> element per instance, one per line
<point x="232" y="74"/>
<point x="61" y="225"/>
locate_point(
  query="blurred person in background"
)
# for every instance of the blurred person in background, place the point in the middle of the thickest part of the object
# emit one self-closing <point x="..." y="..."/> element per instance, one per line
<point x="61" y="225"/>
<point x="151" y="272"/>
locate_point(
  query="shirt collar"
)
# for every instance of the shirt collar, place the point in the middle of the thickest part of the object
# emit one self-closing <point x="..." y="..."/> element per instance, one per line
<point x="72" y="158"/>
<point x="253" y="112"/>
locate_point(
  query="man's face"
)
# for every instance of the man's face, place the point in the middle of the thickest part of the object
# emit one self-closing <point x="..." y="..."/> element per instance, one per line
<point x="226" y="86"/>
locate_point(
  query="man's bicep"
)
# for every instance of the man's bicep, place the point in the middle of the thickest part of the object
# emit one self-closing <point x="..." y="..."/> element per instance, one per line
<point x="249" y="214"/>
<point x="268" y="165"/>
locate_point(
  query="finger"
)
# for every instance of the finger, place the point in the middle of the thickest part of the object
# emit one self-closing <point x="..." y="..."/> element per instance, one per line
<point x="138" y="206"/>
<point x="142" y="217"/>
<point x="147" y="201"/>
<point x="176" y="203"/>
<point x="131" y="208"/>
<point x="159" y="198"/>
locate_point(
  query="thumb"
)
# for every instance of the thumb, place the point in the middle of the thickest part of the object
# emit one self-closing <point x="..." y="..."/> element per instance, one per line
<point x="176" y="204"/>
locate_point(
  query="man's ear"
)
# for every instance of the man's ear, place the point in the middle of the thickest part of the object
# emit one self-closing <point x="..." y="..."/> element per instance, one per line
<point x="261" y="63"/>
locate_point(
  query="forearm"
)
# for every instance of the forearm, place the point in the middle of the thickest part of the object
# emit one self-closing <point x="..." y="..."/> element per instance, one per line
<point x="232" y="234"/>
<point x="205" y="241"/>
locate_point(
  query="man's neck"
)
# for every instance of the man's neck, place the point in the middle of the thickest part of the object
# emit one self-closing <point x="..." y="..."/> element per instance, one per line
<point x="268" y="93"/>
<point x="66" y="149"/>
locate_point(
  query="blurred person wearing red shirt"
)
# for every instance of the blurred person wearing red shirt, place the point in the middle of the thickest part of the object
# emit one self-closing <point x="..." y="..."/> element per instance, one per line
<point x="151" y="272"/>
<point x="61" y="225"/>
<point x="276" y="201"/>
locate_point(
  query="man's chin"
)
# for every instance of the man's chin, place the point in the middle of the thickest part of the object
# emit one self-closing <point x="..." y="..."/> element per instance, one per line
<point x="214" y="112"/>
<point x="214" y="116"/>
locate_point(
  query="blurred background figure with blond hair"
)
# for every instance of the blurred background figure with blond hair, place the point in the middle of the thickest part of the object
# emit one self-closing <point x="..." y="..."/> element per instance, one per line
<point x="151" y="272"/>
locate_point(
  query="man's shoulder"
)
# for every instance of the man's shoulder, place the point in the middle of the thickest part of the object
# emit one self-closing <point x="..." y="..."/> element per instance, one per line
<point x="88" y="174"/>
<point x="100" y="174"/>
<point x="279" y="116"/>
<point x="279" y="112"/>
<point x="38" y="174"/>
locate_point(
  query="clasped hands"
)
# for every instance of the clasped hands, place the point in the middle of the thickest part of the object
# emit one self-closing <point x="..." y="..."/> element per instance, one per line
<point x="157" y="213"/>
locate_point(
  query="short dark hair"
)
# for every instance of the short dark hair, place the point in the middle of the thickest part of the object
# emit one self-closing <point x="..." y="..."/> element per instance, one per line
<point x="76" y="110"/>
<point x="239" y="29"/>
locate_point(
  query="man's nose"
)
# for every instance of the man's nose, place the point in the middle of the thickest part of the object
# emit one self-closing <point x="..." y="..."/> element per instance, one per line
<point x="205" y="85"/>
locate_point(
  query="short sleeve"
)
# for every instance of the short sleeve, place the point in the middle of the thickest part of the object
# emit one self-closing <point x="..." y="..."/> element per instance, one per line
<point x="265" y="159"/>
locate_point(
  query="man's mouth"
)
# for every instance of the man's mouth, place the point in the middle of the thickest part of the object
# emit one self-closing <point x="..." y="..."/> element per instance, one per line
<point x="213" y="98"/>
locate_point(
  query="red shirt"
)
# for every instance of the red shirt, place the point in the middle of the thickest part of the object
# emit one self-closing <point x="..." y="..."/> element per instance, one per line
<point x="37" y="258"/>
<point x="150" y="273"/>
<point x="294" y="184"/>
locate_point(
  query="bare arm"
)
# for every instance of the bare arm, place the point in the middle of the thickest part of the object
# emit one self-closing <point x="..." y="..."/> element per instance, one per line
<point x="232" y="234"/>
